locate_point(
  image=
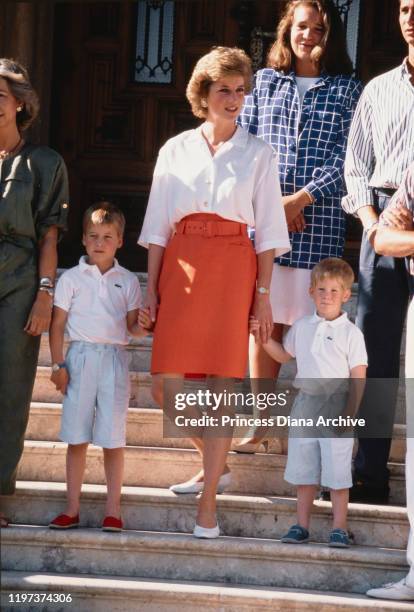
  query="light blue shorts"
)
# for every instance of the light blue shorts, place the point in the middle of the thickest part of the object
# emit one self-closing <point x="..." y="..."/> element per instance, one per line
<point x="314" y="458"/>
<point x="95" y="406"/>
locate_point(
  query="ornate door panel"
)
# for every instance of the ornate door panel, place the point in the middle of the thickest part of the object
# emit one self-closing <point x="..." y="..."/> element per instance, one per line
<point x="106" y="120"/>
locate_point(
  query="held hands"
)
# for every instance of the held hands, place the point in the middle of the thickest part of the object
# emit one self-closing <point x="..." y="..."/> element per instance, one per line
<point x="152" y="305"/>
<point x="254" y="329"/>
<point x="60" y="379"/>
<point x="261" y="319"/>
<point x="40" y="315"/>
<point x="144" y="319"/>
<point x="254" y="325"/>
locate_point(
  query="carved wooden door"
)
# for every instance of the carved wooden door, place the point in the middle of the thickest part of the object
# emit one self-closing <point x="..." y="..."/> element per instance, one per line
<point x="120" y="74"/>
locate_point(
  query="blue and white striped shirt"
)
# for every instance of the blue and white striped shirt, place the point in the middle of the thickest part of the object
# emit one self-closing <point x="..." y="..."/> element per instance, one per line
<point x="310" y="141"/>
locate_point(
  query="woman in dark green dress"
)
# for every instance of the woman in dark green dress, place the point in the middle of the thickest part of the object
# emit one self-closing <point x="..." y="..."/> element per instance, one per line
<point x="33" y="209"/>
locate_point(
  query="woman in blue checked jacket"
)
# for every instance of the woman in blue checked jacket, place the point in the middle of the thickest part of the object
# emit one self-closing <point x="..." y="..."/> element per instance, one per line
<point x="302" y="105"/>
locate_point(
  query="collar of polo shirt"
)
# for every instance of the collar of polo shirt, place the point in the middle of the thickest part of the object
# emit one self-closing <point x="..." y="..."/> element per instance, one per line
<point x="84" y="266"/>
<point x="338" y="321"/>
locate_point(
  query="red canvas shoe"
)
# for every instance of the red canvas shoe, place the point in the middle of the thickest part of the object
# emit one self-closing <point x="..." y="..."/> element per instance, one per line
<point x="111" y="523"/>
<point x="63" y="521"/>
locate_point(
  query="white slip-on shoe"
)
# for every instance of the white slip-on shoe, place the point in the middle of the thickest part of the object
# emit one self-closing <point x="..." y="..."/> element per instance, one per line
<point x="196" y="487"/>
<point x="187" y="487"/>
<point x="206" y="532"/>
<point x="398" y="591"/>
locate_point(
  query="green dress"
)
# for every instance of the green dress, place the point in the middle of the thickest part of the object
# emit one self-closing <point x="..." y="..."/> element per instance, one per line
<point x="33" y="197"/>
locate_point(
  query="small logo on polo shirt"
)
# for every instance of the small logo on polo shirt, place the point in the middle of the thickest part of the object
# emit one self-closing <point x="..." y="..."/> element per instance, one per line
<point x="329" y="338"/>
<point x="119" y="286"/>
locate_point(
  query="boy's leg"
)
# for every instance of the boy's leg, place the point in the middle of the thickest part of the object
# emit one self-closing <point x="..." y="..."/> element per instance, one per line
<point x="303" y="466"/>
<point x="77" y="418"/>
<point x="336" y="455"/>
<point x="340" y="499"/>
<point x="110" y="419"/>
<point x="75" y="470"/>
<point x="114" y="472"/>
<point x="306" y="495"/>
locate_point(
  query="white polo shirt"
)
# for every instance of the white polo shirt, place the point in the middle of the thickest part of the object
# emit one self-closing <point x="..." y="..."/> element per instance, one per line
<point x="325" y="349"/>
<point x="240" y="183"/>
<point x="97" y="304"/>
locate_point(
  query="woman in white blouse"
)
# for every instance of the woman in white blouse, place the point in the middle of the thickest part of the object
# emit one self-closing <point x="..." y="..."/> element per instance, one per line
<point x="204" y="278"/>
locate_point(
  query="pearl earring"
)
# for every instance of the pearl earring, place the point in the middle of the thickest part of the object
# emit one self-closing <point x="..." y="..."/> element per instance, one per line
<point x="204" y="103"/>
<point x="19" y="108"/>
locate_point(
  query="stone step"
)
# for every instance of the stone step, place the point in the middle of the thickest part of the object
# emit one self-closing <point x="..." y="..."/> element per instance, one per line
<point x="95" y="593"/>
<point x="44" y="390"/>
<point x="258" y="474"/>
<point x="151" y="509"/>
<point x="145" y="428"/>
<point x="171" y="556"/>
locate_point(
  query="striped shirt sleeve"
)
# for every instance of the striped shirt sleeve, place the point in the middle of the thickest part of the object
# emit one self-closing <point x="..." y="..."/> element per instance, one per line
<point x="360" y="157"/>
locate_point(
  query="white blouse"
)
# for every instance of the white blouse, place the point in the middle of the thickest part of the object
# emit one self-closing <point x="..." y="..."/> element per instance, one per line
<point x="240" y="182"/>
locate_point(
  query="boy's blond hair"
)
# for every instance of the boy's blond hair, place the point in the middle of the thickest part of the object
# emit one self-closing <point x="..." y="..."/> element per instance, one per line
<point x="104" y="212"/>
<point x="333" y="268"/>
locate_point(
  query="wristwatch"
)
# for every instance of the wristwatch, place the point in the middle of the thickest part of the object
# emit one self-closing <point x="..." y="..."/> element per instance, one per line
<point x="46" y="281"/>
<point x="57" y="366"/>
<point x="263" y="290"/>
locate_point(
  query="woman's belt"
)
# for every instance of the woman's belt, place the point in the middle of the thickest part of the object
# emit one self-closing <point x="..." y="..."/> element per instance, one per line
<point x="212" y="228"/>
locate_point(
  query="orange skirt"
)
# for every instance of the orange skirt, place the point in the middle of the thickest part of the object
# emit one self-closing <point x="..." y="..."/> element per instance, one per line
<point x="206" y="289"/>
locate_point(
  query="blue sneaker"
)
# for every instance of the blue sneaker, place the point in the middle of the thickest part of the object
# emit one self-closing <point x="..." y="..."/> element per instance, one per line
<point x="338" y="538"/>
<point x="296" y="535"/>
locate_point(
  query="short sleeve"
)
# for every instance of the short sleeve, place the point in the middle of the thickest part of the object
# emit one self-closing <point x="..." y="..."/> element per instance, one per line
<point x="53" y="194"/>
<point x="357" y="352"/>
<point x="157" y="228"/>
<point x="270" y="222"/>
<point x="134" y="294"/>
<point x="289" y="341"/>
<point x="63" y="293"/>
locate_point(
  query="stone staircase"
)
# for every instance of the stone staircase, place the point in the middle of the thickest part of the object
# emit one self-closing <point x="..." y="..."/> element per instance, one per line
<point x="155" y="564"/>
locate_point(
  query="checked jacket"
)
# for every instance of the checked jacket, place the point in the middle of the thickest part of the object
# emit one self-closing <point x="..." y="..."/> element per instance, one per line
<point x="310" y="142"/>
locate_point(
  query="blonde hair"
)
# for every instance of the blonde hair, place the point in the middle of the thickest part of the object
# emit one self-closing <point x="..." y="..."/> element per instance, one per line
<point x="20" y="87"/>
<point x="103" y="213"/>
<point x="333" y="268"/>
<point x="220" y="62"/>
<point x="331" y="53"/>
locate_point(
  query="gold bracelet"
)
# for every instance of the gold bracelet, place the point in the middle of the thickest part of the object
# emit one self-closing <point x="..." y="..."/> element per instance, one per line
<point x="310" y="196"/>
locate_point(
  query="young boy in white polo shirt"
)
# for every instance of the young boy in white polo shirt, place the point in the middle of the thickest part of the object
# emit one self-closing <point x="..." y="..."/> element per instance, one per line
<point x="326" y="345"/>
<point x="98" y="303"/>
